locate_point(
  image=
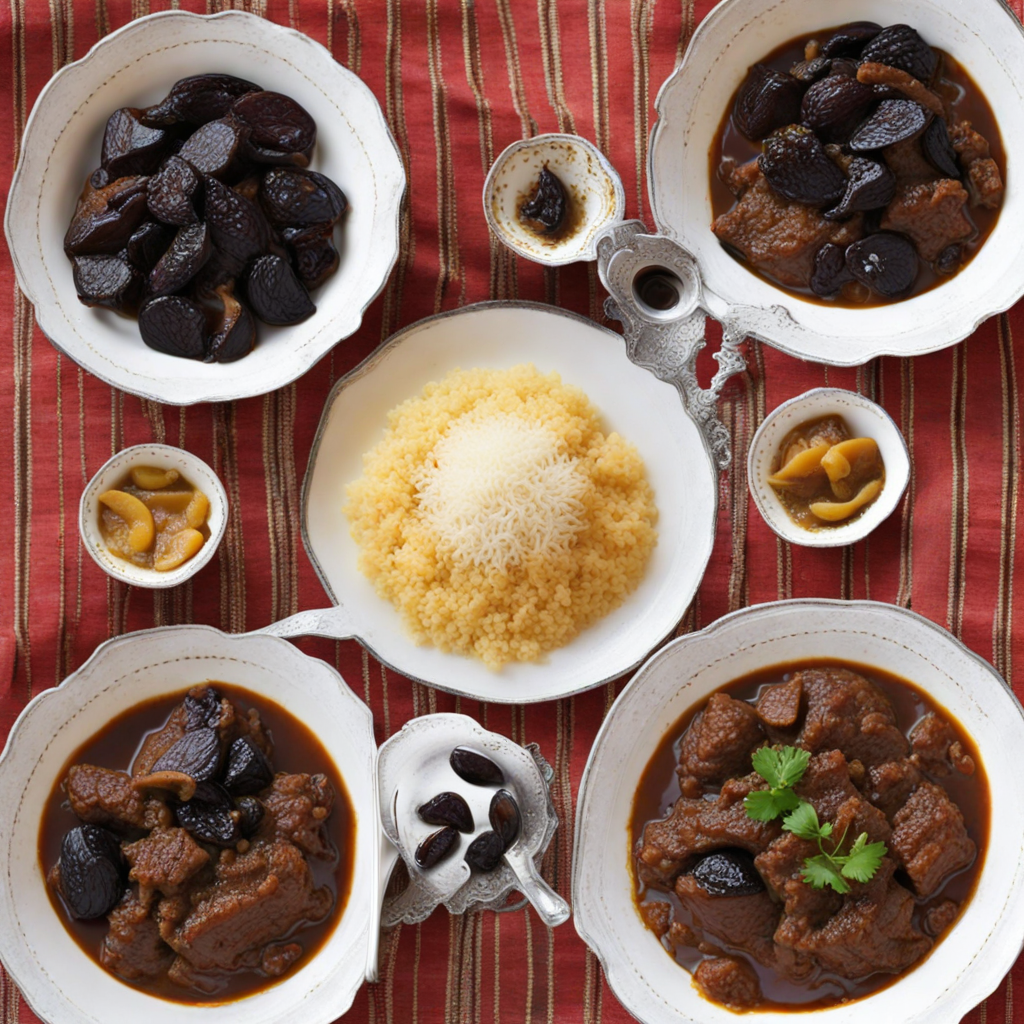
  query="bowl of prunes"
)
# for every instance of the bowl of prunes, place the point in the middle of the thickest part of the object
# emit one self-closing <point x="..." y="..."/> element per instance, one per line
<point x="847" y="177"/>
<point x="213" y="216"/>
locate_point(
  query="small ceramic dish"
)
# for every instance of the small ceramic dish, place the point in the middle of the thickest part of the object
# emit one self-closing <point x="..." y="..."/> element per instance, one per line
<point x="60" y="982"/>
<point x="113" y="472"/>
<point x="865" y="419"/>
<point x="596" y="197"/>
<point x="136" y="66"/>
<point x="986" y="939"/>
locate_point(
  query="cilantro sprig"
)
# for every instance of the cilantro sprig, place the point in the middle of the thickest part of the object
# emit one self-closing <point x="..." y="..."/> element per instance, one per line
<point x="782" y="769"/>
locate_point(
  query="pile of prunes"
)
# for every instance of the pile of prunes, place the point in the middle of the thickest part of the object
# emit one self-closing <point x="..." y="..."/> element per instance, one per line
<point x="203" y="215"/>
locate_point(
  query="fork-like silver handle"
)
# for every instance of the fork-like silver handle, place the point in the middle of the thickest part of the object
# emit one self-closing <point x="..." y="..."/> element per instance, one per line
<point x="550" y="907"/>
<point x="335" y="623"/>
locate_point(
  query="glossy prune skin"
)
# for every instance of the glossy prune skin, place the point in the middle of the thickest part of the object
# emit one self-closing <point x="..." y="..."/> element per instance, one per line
<point x="886" y="262"/>
<point x="203" y="711"/>
<point x="436" y="846"/>
<point x="277" y="123"/>
<point x="830" y="271"/>
<point x="235" y="334"/>
<point x="901" y="47"/>
<point x="833" y="106"/>
<point x="182" y="261"/>
<point x="293" y="198"/>
<point x="248" y="770"/>
<point x="275" y="294"/>
<point x="870" y="186"/>
<point x="475" y="768"/>
<point x="210" y="816"/>
<point x="447" y="809"/>
<point x="950" y="259"/>
<point x="214" y="149"/>
<point x="893" y="121"/>
<point x="251" y="813"/>
<point x="313" y="254"/>
<point x="850" y="40"/>
<point x="237" y="225"/>
<point x="173" y="193"/>
<point x="92" y="871"/>
<point x="938" y="149"/>
<point x="108" y="281"/>
<point x="504" y="817"/>
<point x="544" y="212"/>
<point x="485" y="852"/>
<point x="197" y="100"/>
<point x="198" y="753"/>
<point x="106" y="218"/>
<point x="148" y="244"/>
<point x="175" y="326"/>
<point x="766" y="101"/>
<point x="728" y="873"/>
<point x="805" y="71"/>
<point x="129" y="146"/>
<point x="795" y="164"/>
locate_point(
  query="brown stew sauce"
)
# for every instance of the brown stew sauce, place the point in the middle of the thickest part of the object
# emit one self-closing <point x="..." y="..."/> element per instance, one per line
<point x="296" y="749"/>
<point x="970" y="105"/>
<point x="659" y="789"/>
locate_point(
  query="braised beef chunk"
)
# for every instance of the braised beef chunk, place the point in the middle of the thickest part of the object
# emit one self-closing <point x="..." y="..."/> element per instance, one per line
<point x="932" y="214"/>
<point x="936" y="748"/>
<point x="891" y="783"/>
<point x="296" y="807"/>
<point x="721" y="740"/>
<point x="100" y="796"/>
<point x="165" y="860"/>
<point x="730" y="982"/>
<point x="929" y="840"/>
<point x="133" y="949"/>
<point x="779" y="705"/>
<point x="657" y="915"/>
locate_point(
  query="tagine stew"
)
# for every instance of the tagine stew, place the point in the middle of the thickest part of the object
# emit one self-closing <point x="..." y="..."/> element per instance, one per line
<point x="808" y="834"/>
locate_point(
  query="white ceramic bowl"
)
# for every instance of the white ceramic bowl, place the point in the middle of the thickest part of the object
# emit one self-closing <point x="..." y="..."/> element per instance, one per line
<point x="61" y="983"/>
<point x="865" y="419"/>
<point x="594" y="189"/>
<point x="984" y="36"/>
<point x="983" y="944"/>
<point x="112" y="473"/>
<point x="136" y="66"/>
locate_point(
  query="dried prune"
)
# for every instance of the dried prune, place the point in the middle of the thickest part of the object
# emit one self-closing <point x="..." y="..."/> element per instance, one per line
<point x="795" y="164"/>
<point x="235" y="333"/>
<point x="504" y="817"/>
<point x="885" y="262"/>
<point x="210" y="816"/>
<point x="175" y="326"/>
<point x="295" y="198"/>
<point x="182" y="261"/>
<point x="843" y="66"/>
<point x="219" y="271"/>
<point x="767" y="100"/>
<point x="148" y="244"/>
<point x="313" y="254"/>
<point x="901" y="47"/>
<point x="92" y="871"/>
<point x="938" y="149"/>
<point x="950" y="259"/>
<point x="173" y="192"/>
<point x="107" y="281"/>
<point x="237" y="225"/>
<point x="728" y="873"/>
<point x="198" y="99"/>
<point x="203" y="711"/>
<point x="248" y="770"/>
<point x="893" y="121"/>
<point x="214" y="149"/>
<point x="805" y="71"/>
<point x="849" y="40"/>
<point x="485" y="852"/>
<point x="129" y="146"/>
<point x="276" y="295"/>
<point x="475" y="768"/>
<point x="250" y="812"/>
<point x="831" y="105"/>
<point x="277" y="122"/>
<point x="830" y="272"/>
<point x="545" y="210"/>
<point x="436" y="846"/>
<point x="105" y="218"/>
<point x="447" y="809"/>
<point x="870" y="185"/>
<point x="198" y="753"/>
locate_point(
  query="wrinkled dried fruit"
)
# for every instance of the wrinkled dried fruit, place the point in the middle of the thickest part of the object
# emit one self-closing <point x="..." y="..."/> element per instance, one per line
<point x="235" y="333"/>
<point x="885" y="262"/>
<point x="475" y="768"/>
<point x="182" y="261"/>
<point x="276" y="295"/>
<point x="767" y="100"/>
<point x="901" y="47"/>
<point x="728" y="873"/>
<point x="833" y="104"/>
<point x="204" y="711"/>
<point x="313" y="254"/>
<point x="894" y="121"/>
<point x="544" y="212"/>
<point x="173" y="192"/>
<point x="198" y="99"/>
<point x="950" y="259"/>
<point x="148" y="244"/>
<point x="198" y="753"/>
<point x="237" y="225"/>
<point x="278" y="123"/>
<point x="107" y="281"/>
<point x="504" y="817"/>
<point x="485" y="852"/>
<point x="175" y="326"/>
<point x="806" y="71"/>
<point x="447" y="809"/>
<point x="129" y="146"/>
<point x="795" y="164"/>
<point x="870" y="185"/>
<point x="436" y="846"/>
<point x="214" y="149"/>
<point x="849" y="40"/>
<point x="210" y="816"/>
<point x="248" y="770"/>
<point x="938" y="149"/>
<point x="295" y="198"/>
<point x="106" y="218"/>
<point x="219" y="271"/>
<point x="830" y="272"/>
<point x="251" y="814"/>
<point x="92" y="871"/>
<point x="843" y="66"/>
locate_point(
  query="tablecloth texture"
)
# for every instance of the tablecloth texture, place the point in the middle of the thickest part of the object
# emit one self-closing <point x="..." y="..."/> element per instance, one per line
<point x="459" y="81"/>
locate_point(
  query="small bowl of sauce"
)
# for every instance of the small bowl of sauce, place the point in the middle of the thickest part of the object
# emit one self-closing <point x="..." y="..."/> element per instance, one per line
<point x="153" y="515"/>
<point x="826" y="467"/>
<point x="548" y="198"/>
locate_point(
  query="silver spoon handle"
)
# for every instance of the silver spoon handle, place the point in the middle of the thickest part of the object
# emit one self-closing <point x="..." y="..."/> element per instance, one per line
<point x="335" y="623"/>
<point x="550" y="907"/>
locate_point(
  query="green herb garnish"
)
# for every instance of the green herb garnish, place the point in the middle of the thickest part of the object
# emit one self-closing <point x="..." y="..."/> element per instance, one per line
<point x="781" y="769"/>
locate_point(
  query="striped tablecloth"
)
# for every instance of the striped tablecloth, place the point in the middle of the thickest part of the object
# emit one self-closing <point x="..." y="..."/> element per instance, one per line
<point x="458" y="81"/>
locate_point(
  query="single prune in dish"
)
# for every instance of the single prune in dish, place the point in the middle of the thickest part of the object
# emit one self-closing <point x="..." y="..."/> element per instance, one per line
<point x="485" y="852"/>
<point x="795" y="164"/>
<point x="436" y="846"/>
<point x="870" y="185"/>
<point x="235" y="333"/>
<point x="313" y="254"/>
<point x="107" y="281"/>
<point x="893" y="121"/>
<point x="276" y="295"/>
<point x="805" y="71"/>
<point x="215" y="148"/>
<point x="237" y="225"/>
<point x="277" y="123"/>
<point x="105" y="218"/>
<point x="832" y="106"/>
<point x="197" y="100"/>
<point x="148" y="244"/>
<point x="250" y="812"/>
<point x="92" y="871"/>
<point x="545" y="210"/>
<point x="728" y="873"/>
<point x="901" y="47"/>
<point x="203" y="710"/>
<point x="938" y="149"/>
<point x="129" y="146"/>
<point x="885" y="262"/>
<point x="447" y="809"/>
<point x="504" y="817"/>
<point x="950" y="259"/>
<point x="830" y="272"/>
<point x="475" y="768"/>
<point x="198" y="753"/>
<point x="173" y="192"/>
<point x="175" y="326"/>
<point x="767" y="100"/>
<point x="296" y="198"/>
<point x="182" y="261"/>
<point x="849" y="40"/>
<point x="210" y="816"/>
<point x="248" y="770"/>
